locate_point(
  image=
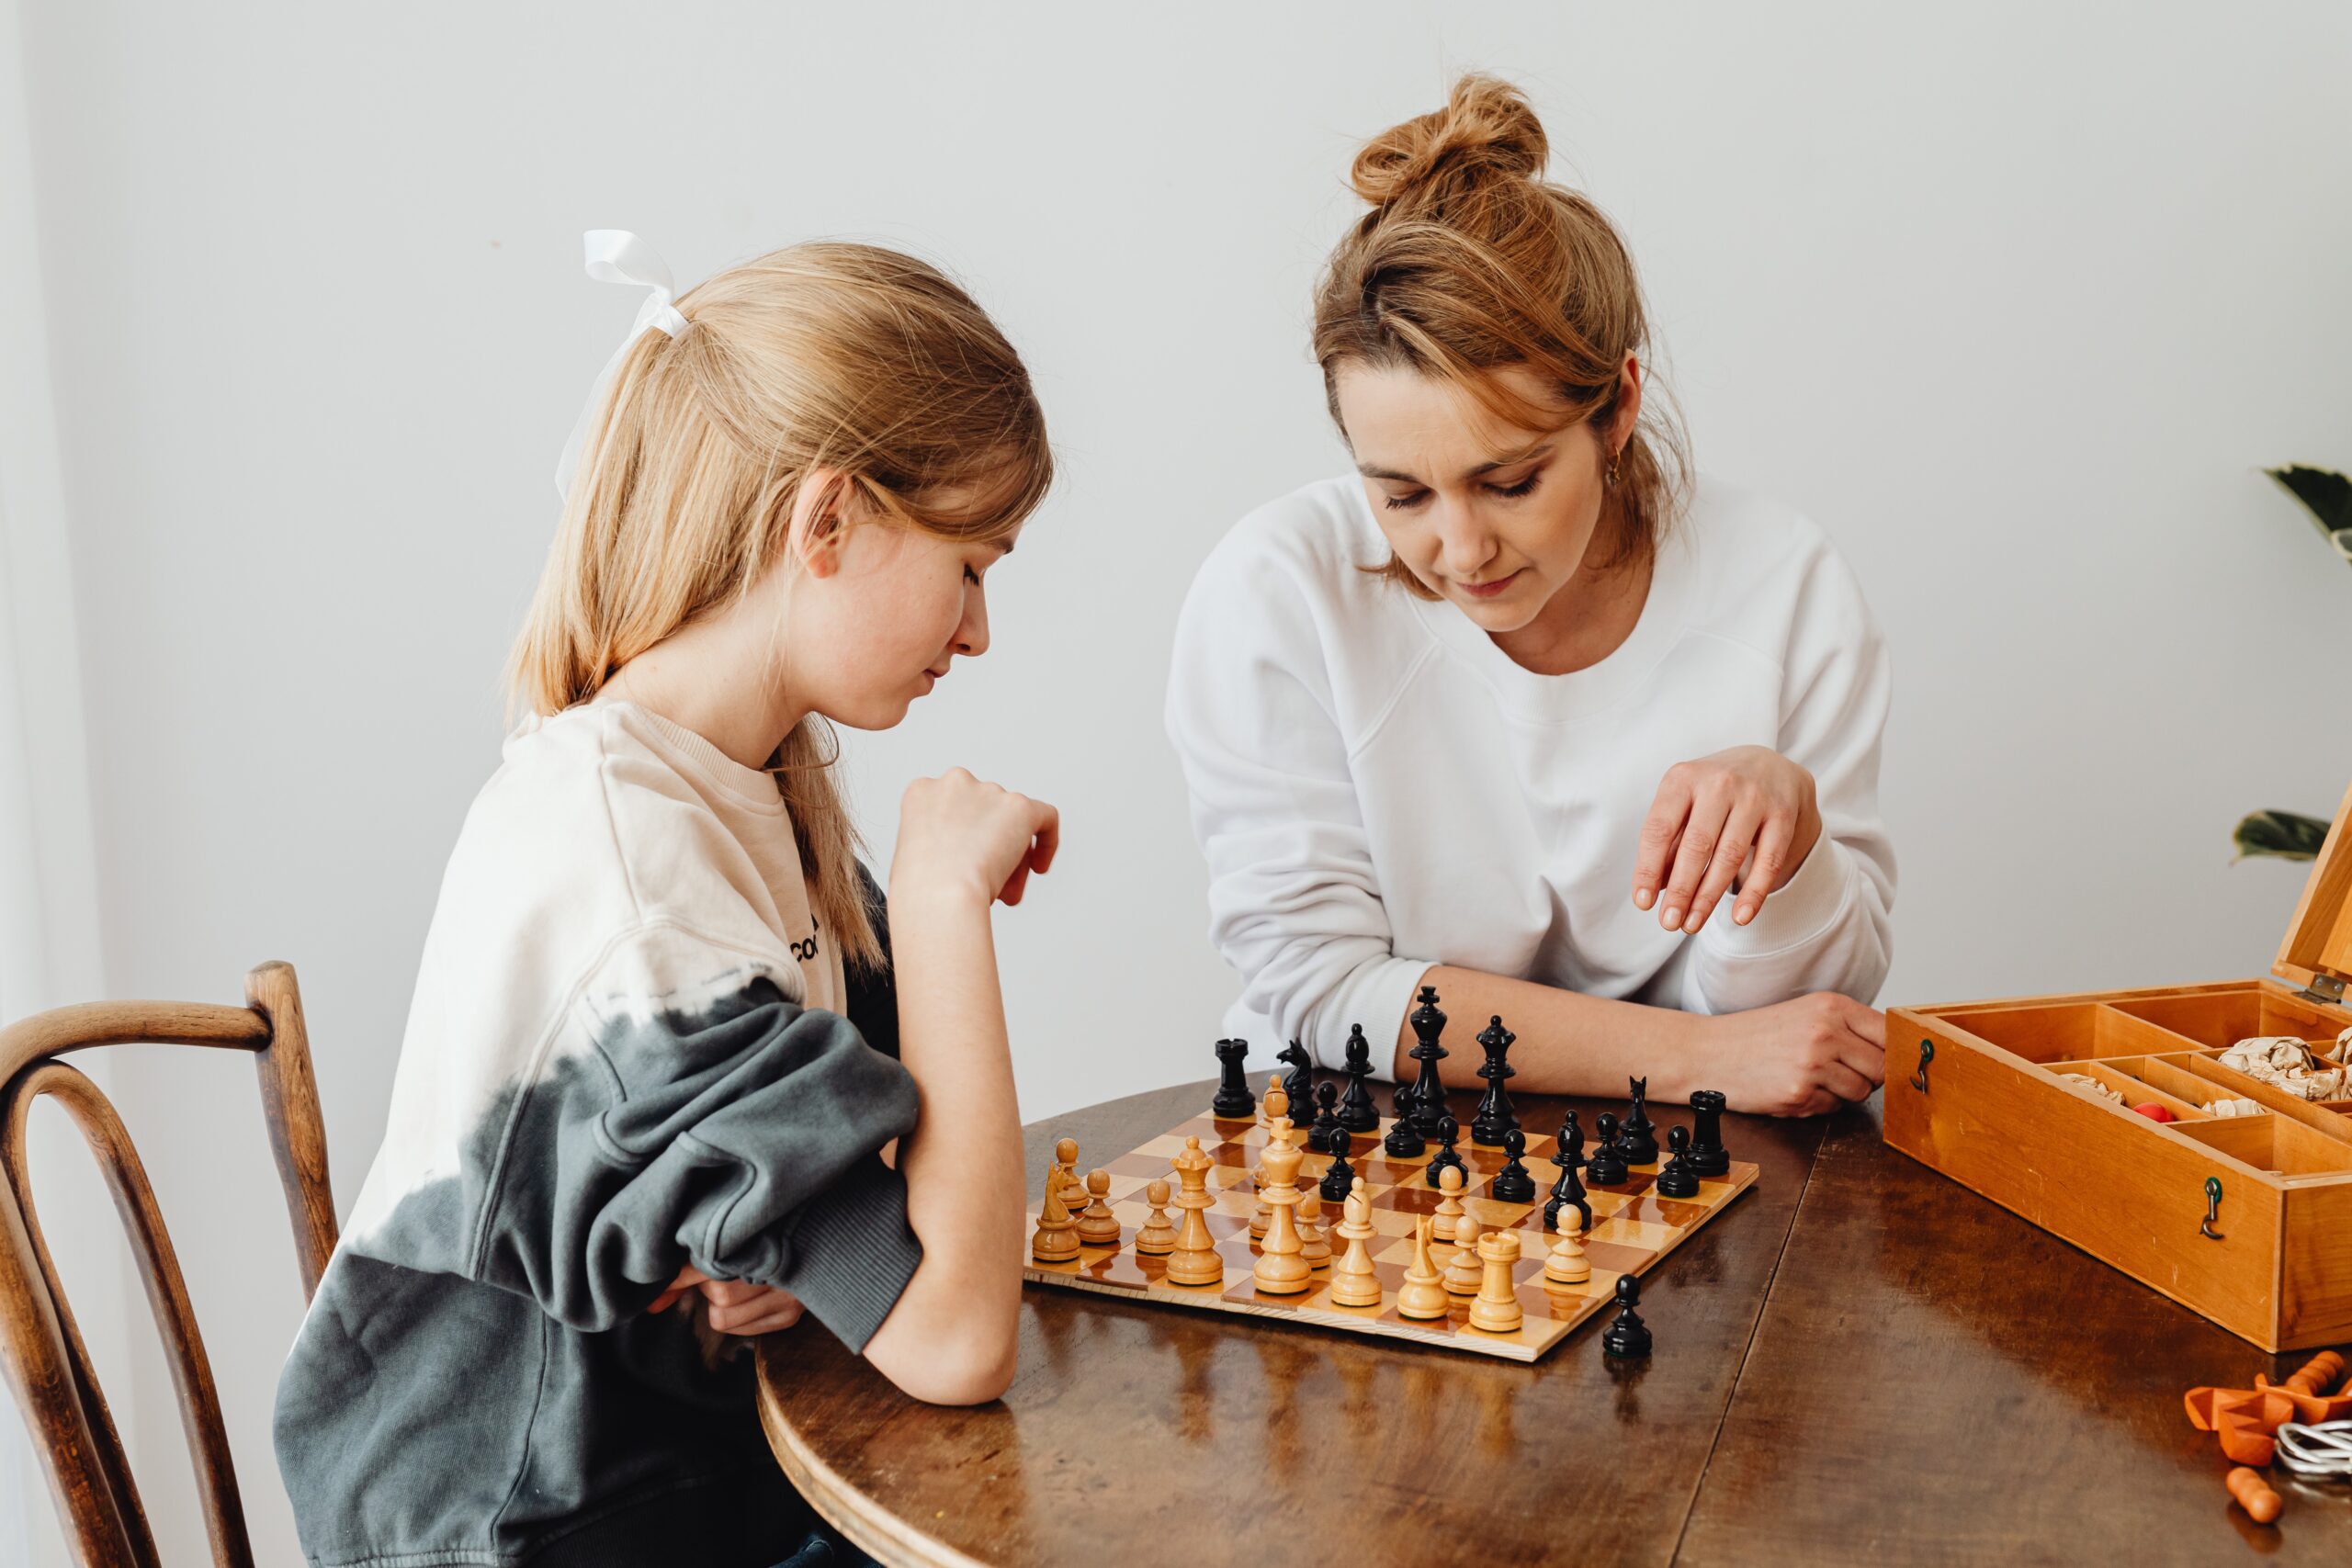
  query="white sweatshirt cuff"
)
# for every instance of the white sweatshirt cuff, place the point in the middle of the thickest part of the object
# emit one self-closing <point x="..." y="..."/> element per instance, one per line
<point x="1800" y="911"/>
<point x="1376" y="994"/>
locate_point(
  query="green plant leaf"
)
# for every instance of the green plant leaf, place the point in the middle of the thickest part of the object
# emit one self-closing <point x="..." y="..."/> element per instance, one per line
<point x="2327" y="493"/>
<point x="2284" y="835"/>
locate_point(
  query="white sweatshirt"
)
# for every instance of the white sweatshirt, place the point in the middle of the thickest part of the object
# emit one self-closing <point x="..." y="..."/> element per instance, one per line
<point x="1379" y="788"/>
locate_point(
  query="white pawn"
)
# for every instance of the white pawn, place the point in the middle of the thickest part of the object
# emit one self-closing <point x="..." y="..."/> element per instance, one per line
<point x="1565" y="1264"/>
<point x="1451" y="1217"/>
<point x="1465" y="1273"/>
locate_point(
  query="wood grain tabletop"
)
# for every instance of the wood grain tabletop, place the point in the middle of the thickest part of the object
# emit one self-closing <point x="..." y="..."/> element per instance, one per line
<point x="1858" y="1362"/>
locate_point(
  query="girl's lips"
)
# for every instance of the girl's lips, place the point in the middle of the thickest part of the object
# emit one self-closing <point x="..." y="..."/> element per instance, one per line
<point x="1488" y="590"/>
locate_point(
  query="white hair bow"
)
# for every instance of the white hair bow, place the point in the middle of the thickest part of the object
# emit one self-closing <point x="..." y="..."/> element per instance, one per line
<point x="616" y="255"/>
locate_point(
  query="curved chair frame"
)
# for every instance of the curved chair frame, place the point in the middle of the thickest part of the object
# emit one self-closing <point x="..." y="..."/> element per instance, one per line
<point x="42" y="1351"/>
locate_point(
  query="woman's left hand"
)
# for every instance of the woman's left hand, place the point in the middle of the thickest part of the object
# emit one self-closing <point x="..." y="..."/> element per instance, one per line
<point x="1747" y="806"/>
<point x="737" y="1306"/>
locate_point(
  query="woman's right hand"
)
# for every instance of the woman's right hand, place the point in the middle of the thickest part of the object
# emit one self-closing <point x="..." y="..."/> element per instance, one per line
<point x="1798" y="1058"/>
<point x="961" y="835"/>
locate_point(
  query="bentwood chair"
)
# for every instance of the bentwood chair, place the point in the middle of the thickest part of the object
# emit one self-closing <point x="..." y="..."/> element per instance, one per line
<point x="42" y="1351"/>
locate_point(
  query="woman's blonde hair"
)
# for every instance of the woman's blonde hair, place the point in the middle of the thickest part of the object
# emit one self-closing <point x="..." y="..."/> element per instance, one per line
<point x="1470" y="261"/>
<point x="826" y="355"/>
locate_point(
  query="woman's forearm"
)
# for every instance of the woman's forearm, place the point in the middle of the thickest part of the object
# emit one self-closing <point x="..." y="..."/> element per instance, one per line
<point x="1569" y="1043"/>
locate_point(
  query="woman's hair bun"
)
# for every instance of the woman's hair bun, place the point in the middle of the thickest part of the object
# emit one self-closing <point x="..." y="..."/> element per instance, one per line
<point x="1486" y="130"/>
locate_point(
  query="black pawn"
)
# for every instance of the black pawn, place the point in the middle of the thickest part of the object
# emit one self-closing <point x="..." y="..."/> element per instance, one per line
<point x="1678" y="1179"/>
<point x="1708" y="1156"/>
<point x="1327" y="1136"/>
<point x="1640" y="1142"/>
<point x="1342" y="1176"/>
<point x="1513" y="1184"/>
<point x="1571" y="1150"/>
<point x="1607" y="1165"/>
<point x="1357" y="1113"/>
<point x="1234" y="1102"/>
<point x="1402" y="1142"/>
<point x="1299" y="1082"/>
<point x="1495" y="1116"/>
<point x="1448" y="1129"/>
<point x="1568" y="1192"/>
<point x="1429" y="1093"/>
<point x="1628" y="1335"/>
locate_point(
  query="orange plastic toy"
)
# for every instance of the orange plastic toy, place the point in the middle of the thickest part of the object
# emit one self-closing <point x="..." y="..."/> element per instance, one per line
<point x="2246" y="1418"/>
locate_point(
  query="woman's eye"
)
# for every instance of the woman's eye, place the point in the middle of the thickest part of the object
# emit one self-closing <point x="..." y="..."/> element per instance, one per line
<point x="1522" y="488"/>
<point x="1406" y="503"/>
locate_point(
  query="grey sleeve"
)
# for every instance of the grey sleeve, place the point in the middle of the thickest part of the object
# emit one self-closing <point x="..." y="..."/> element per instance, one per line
<point x="743" y="1138"/>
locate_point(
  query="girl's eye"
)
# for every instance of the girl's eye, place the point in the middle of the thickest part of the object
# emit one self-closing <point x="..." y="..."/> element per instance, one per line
<point x="1406" y="503"/>
<point x="1522" y="488"/>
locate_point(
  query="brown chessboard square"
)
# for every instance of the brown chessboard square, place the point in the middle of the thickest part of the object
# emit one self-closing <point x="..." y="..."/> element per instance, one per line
<point x="1633" y="1228"/>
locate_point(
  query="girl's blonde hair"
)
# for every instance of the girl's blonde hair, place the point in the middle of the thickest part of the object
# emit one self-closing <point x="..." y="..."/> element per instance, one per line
<point x="825" y="354"/>
<point x="1471" y="260"/>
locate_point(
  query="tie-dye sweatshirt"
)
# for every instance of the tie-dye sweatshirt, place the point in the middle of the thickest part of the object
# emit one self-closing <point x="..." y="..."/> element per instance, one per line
<point x="631" y="1047"/>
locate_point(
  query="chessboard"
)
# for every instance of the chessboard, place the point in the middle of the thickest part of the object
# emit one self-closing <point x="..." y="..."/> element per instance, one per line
<point x="1633" y="1228"/>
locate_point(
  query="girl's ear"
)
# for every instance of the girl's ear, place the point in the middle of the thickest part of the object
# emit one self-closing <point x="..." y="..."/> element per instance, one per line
<point x="815" y="532"/>
<point x="1629" y="404"/>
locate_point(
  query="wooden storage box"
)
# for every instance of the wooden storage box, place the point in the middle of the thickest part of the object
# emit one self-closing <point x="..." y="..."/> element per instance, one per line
<point x="2245" y="1219"/>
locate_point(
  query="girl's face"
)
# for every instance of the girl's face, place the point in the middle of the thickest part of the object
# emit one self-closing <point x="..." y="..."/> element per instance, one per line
<point x="879" y="614"/>
<point x="1493" y="517"/>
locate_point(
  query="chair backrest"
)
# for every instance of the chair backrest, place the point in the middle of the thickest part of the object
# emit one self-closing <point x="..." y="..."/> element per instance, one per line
<point x="42" y="1349"/>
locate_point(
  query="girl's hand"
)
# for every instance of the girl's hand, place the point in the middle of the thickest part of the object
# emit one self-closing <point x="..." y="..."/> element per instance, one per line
<point x="1800" y="1057"/>
<point x="736" y="1306"/>
<point x="959" y="834"/>
<point x="1710" y="815"/>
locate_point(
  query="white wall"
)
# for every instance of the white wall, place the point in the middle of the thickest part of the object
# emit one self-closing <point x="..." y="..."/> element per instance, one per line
<point x="2015" y="299"/>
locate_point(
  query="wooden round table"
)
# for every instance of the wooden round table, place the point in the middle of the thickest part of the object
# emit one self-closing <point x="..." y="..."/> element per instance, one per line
<point x="1859" y="1363"/>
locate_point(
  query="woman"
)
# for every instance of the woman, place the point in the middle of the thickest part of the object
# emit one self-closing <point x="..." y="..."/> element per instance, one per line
<point x="1513" y="708"/>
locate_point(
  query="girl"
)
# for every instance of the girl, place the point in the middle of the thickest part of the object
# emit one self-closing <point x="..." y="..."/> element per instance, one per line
<point x="1512" y="709"/>
<point x="654" y="1039"/>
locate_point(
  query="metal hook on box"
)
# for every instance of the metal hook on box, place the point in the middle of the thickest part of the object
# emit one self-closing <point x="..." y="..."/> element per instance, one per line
<point x="2212" y="1209"/>
<point x="1927" y="1054"/>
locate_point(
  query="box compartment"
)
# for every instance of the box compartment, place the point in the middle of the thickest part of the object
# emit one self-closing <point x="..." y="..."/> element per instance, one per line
<point x="2277" y="1144"/>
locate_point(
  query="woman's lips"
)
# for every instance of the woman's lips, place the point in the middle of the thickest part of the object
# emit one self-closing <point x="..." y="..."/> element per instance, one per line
<point x="1488" y="590"/>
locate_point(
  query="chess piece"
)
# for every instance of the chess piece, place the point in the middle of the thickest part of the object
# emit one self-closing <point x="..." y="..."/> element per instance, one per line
<point x="1627" y="1336"/>
<point x="1057" y="1237"/>
<point x="1511" y="1183"/>
<point x="1299" y="1082"/>
<point x="1234" y="1102"/>
<point x="1195" y="1260"/>
<point x="1073" y="1187"/>
<point x="1496" y="1115"/>
<point x="1277" y="1109"/>
<point x="1638" y="1140"/>
<point x="1606" y="1167"/>
<point x="1565" y="1264"/>
<point x="1567" y="1198"/>
<point x="1098" y="1227"/>
<point x="1357" y="1113"/>
<point x="1313" y="1245"/>
<point x="1354" y="1282"/>
<point x="1497" y="1309"/>
<point x="1571" y="1151"/>
<point x="1677" y="1180"/>
<point x="1403" y="1142"/>
<point x="1327" y="1136"/>
<point x="1340" y="1175"/>
<point x="1450" y="1214"/>
<point x="1157" y="1239"/>
<point x="1447" y="1131"/>
<point x="1280" y="1270"/>
<point x="1465" y="1272"/>
<point x="1708" y="1157"/>
<point x="1429" y="1094"/>
<point x="1423" y="1293"/>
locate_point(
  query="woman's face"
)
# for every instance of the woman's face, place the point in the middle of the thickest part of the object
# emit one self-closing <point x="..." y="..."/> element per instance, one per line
<point x="1493" y="517"/>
